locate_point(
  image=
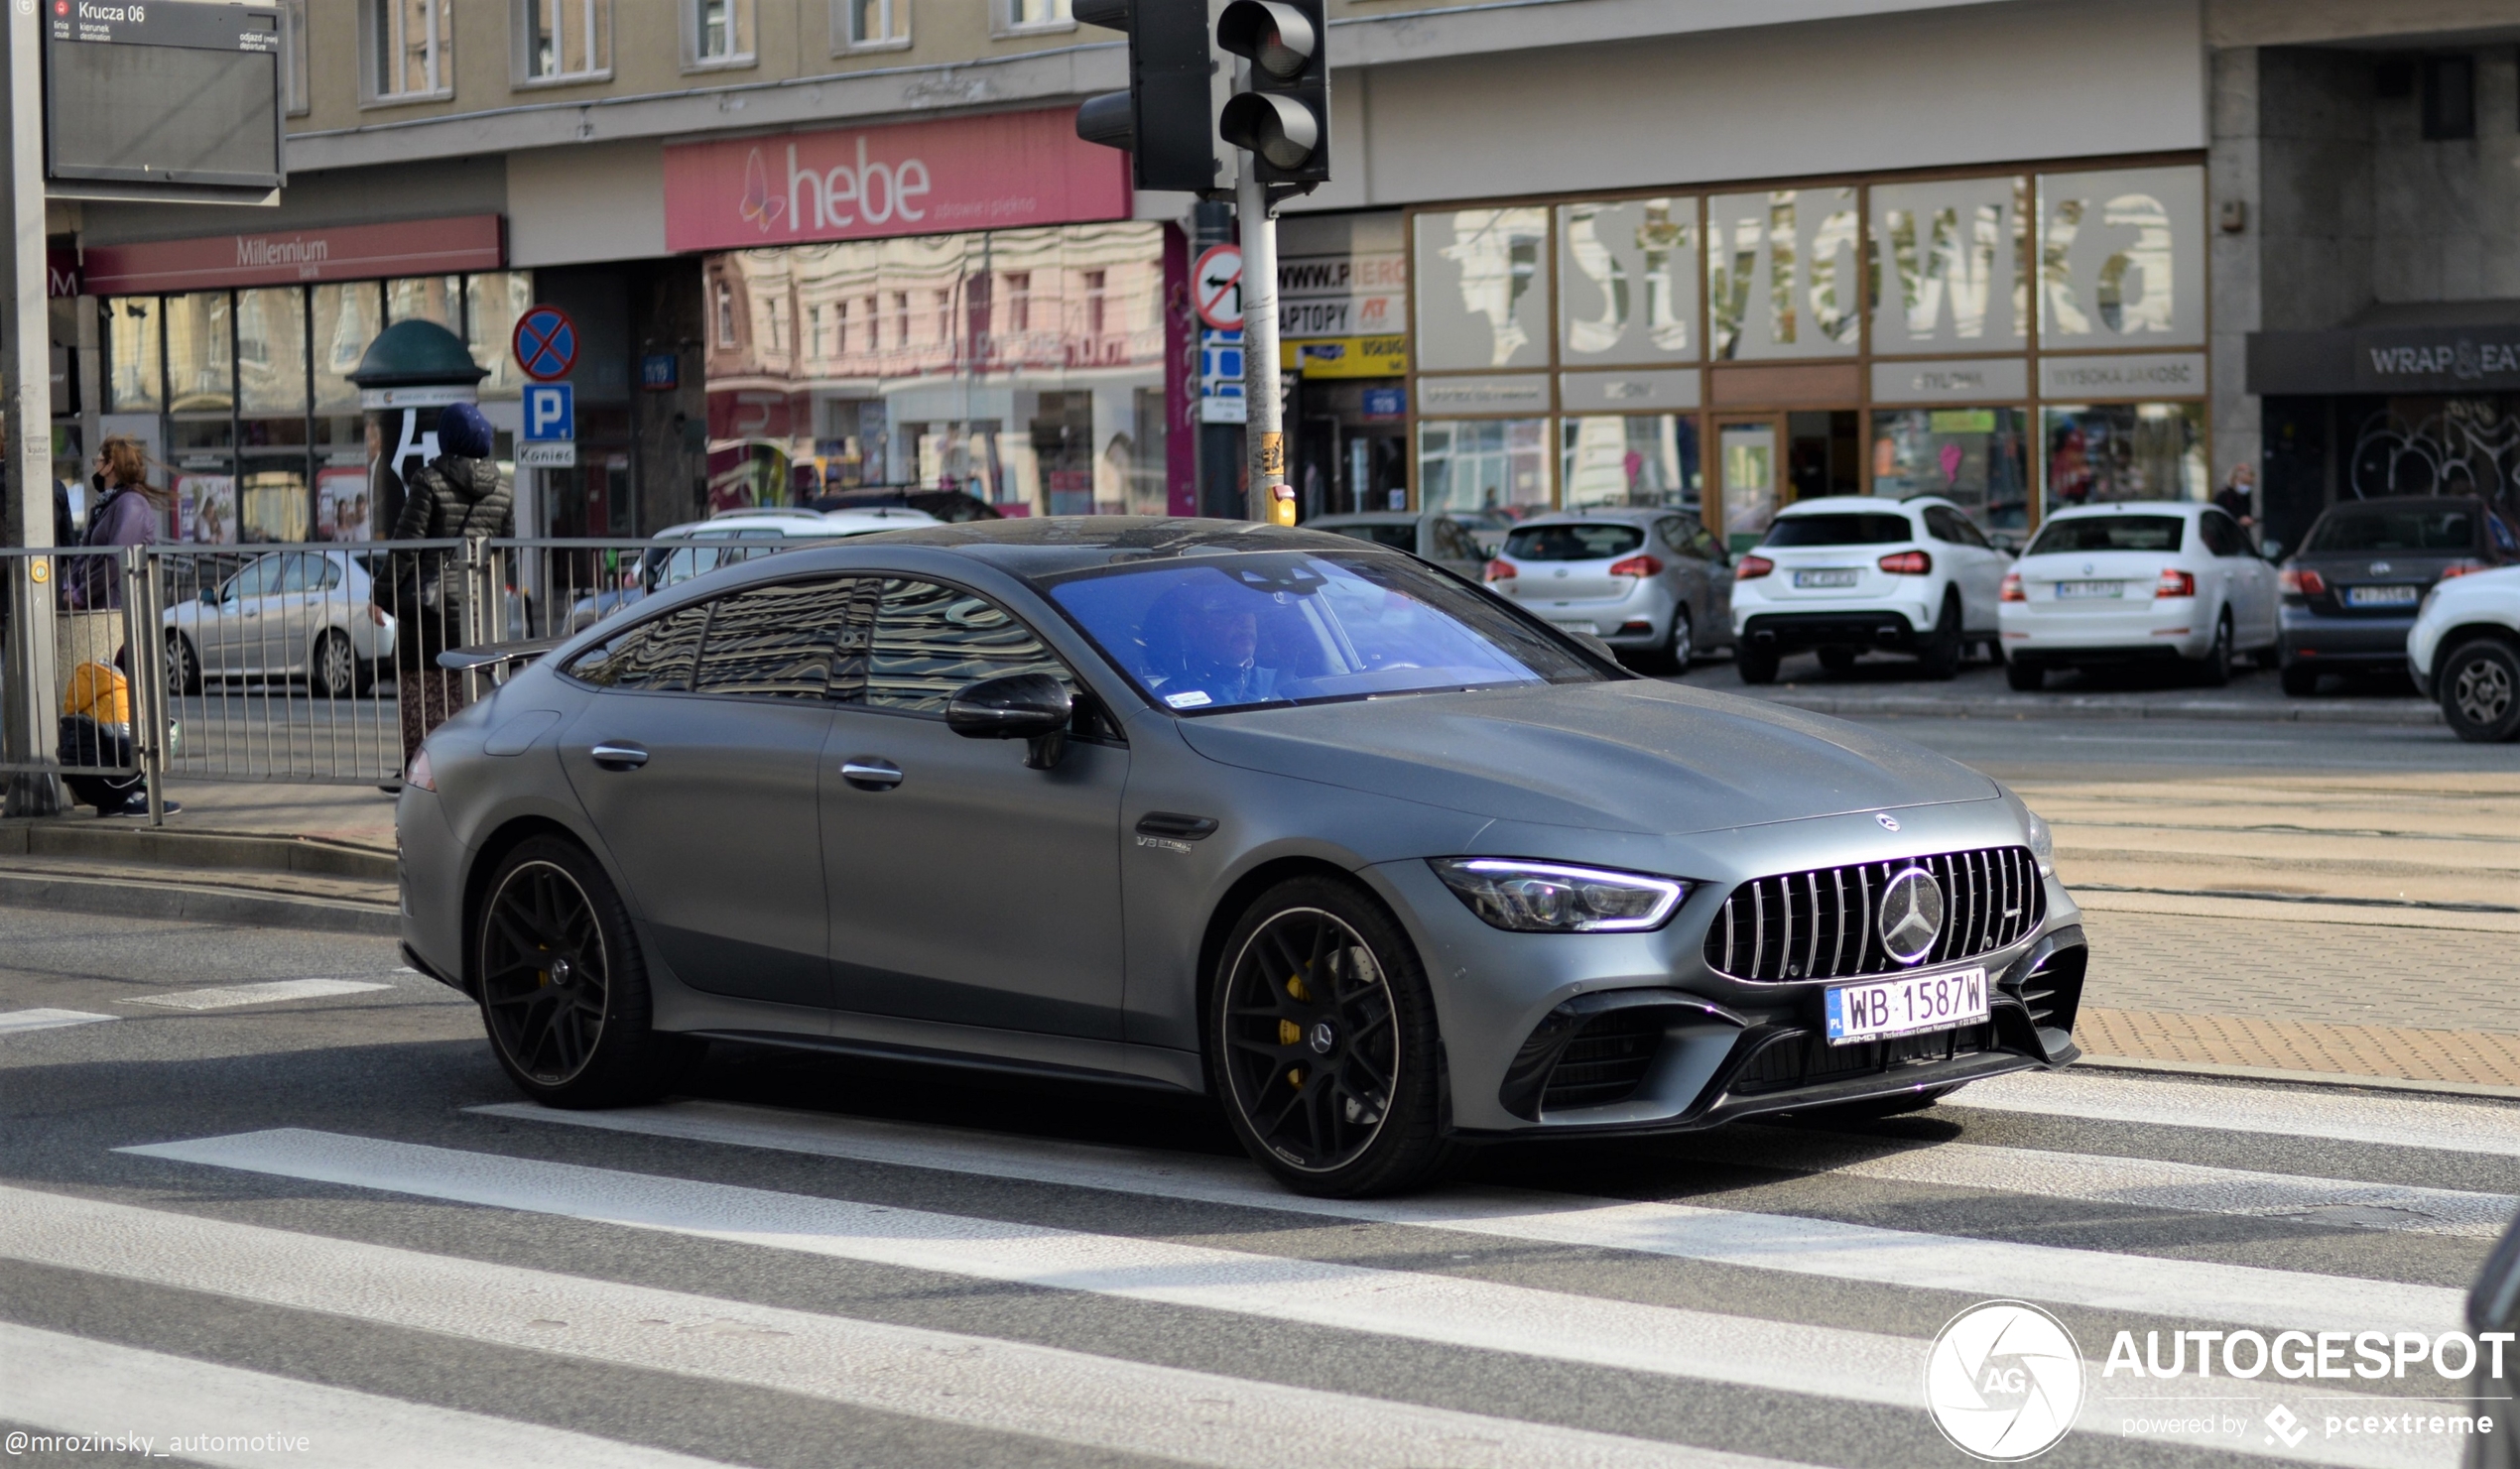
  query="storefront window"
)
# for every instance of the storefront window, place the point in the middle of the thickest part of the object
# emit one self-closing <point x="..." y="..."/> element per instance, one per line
<point x="1975" y="457"/>
<point x="1627" y="282"/>
<point x="1498" y="465"/>
<point x="1947" y="259"/>
<point x="2108" y="452"/>
<point x="271" y="351"/>
<point x="199" y="353"/>
<point x="1745" y="458"/>
<point x="1615" y="459"/>
<point x="492" y="302"/>
<point x="1480" y="282"/>
<point x="1781" y="274"/>
<point x="438" y="299"/>
<point x="346" y="318"/>
<point x="132" y="363"/>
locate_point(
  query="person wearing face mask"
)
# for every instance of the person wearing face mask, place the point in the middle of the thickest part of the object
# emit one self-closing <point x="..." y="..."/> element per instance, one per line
<point x="457" y="495"/>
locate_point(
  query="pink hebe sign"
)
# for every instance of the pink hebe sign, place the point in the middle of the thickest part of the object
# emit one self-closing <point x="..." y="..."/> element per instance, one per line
<point x="997" y="172"/>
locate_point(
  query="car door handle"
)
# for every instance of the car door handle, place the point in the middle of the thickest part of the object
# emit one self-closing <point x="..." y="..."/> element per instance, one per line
<point x="612" y="755"/>
<point x="867" y="773"/>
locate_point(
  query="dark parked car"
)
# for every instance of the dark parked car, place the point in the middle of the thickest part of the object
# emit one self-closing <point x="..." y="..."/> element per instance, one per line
<point x="2493" y="1304"/>
<point x="2352" y="592"/>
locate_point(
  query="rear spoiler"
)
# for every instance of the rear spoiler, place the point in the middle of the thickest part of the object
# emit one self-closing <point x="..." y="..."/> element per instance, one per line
<point x="473" y="660"/>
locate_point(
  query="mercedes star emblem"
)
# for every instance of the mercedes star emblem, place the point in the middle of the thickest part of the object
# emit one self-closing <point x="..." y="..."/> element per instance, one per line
<point x="1911" y="916"/>
<point x="1888" y="822"/>
<point x="2379" y="569"/>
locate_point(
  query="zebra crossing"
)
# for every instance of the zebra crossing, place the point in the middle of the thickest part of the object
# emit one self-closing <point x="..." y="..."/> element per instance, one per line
<point x="999" y="1298"/>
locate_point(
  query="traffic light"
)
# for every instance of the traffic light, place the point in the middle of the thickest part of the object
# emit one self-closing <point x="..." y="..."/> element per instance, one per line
<point x="1284" y="117"/>
<point x="1166" y="120"/>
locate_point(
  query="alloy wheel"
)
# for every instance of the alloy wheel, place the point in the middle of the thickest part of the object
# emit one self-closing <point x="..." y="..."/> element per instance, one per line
<point x="335" y="666"/>
<point x="2483" y="690"/>
<point x="1684" y="642"/>
<point x="1312" y="1040"/>
<point x="544" y="975"/>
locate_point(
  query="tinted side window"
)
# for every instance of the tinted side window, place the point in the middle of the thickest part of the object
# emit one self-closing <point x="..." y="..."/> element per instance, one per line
<point x="775" y="640"/>
<point x="1454" y="543"/>
<point x="2221" y="537"/>
<point x="1943" y="524"/>
<point x="653" y="656"/>
<point x="931" y="641"/>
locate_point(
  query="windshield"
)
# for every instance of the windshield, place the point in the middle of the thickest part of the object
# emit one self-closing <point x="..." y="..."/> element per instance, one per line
<point x="2396" y="530"/>
<point x="2109" y="533"/>
<point x="1845" y="528"/>
<point x="1295" y="627"/>
<point x="1595" y="542"/>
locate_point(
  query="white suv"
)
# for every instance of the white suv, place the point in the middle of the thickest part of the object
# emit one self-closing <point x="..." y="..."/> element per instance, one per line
<point x="1852" y="574"/>
<point x="2464" y="650"/>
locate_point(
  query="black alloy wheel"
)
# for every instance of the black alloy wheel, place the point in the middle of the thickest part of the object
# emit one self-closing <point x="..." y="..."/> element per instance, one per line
<point x="332" y="669"/>
<point x="563" y="989"/>
<point x="2214" y="672"/>
<point x="1940" y="657"/>
<point x="2480" y="692"/>
<point x="1323" y="1039"/>
<point x="183" y="666"/>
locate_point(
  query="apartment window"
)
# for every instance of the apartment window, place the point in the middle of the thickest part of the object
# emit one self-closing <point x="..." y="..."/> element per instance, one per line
<point x="901" y="318"/>
<point x="944" y="315"/>
<point x="870" y="25"/>
<point x="717" y="32"/>
<point x="1019" y="300"/>
<point x="725" y="314"/>
<point x="408" y="49"/>
<point x="1014" y="16"/>
<point x="813" y="331"/>
<point x="294" y="96"/>
<point x="839" y="328"/>
<point x="874" y="324"/>
<point x="2450" y="98"/>
<point x="564" y="41"/>
<point x="1094" y="302"/>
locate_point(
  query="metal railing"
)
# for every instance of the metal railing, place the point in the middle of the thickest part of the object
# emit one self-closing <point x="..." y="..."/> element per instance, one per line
<point x="301" y="662"/>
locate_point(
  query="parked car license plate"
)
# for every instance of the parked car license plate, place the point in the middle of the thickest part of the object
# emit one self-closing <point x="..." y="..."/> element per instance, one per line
<point x="1576" y="624"/>
<point x="1808" y="579"/>
<point x="2068" y="589"/>
<point x="1905" y="1005"/>
<point x="2383" y="596"/>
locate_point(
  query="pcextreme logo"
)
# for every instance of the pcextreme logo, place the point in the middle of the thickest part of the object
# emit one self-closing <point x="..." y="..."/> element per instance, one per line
<point x="2004" y="1381"/>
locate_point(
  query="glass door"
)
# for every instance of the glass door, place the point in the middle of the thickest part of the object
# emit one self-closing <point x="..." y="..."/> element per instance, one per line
<point x="1746" y="479"/>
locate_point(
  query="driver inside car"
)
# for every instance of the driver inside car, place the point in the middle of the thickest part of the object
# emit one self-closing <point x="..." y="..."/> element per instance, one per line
<point x="1207" y="649"/>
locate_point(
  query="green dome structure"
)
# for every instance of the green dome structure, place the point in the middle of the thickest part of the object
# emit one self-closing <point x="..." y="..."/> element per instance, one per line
<point x="417" y="353"/>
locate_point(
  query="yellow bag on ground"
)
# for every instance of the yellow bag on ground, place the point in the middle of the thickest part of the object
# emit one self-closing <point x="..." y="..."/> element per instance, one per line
<point x="100" y="692"/>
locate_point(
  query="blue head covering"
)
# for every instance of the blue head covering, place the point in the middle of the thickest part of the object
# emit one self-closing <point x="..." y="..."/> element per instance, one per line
<point x="464" y="433"/>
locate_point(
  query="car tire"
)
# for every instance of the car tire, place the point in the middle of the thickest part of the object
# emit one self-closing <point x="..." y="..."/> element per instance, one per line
<point x="1756" y="665"/>
<point x="2024" y="677"/>
<point x="2480" y="691"/>
<point x="563" y="986"/>
<point x="1679" y="650"/>
<point x="1838" y="660"/>
<point x="2300" y="680"/>
<point x="2213" y="671"/>
<point x="332" y="667"/>
<point x="1939" y="656"/>
<point x="1323" y="1047"/>
<point x="183" y="666"/>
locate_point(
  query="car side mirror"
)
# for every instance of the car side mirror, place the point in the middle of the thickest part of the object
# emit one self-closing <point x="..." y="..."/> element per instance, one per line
<point x="209" y="594"/>
<point x="2273" y="550"/>
<point x="1033" y="707"/>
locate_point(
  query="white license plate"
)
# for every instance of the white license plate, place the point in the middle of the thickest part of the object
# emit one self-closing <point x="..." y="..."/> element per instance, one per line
<point x="1905" y="1005"/>
<point x="2066" y="590"/>
<point x="1573" y="626"/>
<point x="1805" y="581"/>
<point x="2382" y="596"/>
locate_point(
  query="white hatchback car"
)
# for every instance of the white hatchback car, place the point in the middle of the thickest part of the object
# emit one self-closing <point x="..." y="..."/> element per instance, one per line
<point x="2152" y="581"/>
<point x="1850" y="574"/>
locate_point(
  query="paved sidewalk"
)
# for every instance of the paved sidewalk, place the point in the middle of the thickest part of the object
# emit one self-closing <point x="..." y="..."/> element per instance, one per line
<point x="1890" y="686"/>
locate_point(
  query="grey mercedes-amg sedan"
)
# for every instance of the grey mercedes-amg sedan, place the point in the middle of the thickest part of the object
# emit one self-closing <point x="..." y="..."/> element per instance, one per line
<point x="1383" y="863"/>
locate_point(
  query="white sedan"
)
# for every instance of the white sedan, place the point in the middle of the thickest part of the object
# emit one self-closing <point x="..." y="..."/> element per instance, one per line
<point x="2164" y="582"/>
<point x="285" y="614"/>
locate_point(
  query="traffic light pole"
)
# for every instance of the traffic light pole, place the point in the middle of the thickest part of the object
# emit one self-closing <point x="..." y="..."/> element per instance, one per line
<point x="1263" y="428"/>
<point x="27" y="696"/>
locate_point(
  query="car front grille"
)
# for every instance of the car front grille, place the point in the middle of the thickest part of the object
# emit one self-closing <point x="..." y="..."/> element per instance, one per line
<point x="1606" y="1060"/>
<point x="1819" y="925"/>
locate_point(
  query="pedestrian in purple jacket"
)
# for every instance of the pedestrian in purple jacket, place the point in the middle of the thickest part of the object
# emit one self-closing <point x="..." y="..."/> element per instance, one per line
<point x="133" y="513"/>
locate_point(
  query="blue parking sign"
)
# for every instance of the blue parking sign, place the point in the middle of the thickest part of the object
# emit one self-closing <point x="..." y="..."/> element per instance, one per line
<point x="550" y="413"/>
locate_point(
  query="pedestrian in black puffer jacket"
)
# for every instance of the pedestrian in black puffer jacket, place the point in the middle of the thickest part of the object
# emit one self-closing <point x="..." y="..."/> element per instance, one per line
<point x="457" y="495"/>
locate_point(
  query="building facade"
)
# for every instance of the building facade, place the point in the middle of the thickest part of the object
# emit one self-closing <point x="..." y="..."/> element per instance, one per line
<point x="2025" y="253"/>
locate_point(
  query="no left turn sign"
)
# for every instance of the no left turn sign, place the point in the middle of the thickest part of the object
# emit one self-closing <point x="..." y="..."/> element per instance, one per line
<point x="1216" y="286"/>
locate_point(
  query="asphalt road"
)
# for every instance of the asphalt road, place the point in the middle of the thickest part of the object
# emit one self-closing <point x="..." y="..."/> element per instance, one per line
<point x="341" y="1226"/>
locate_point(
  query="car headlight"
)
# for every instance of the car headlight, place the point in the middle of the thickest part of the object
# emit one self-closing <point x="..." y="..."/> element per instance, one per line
<point x="2043" y="842"/>
<point x="1549" y="898"/>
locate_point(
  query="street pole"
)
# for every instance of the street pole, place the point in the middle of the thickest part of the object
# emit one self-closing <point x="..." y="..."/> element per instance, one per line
<point x="27" y="712"/>
<point x="1270" y="499"/>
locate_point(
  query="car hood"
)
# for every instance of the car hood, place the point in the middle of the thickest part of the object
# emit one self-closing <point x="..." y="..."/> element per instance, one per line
<point x="1635" y="755"/>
